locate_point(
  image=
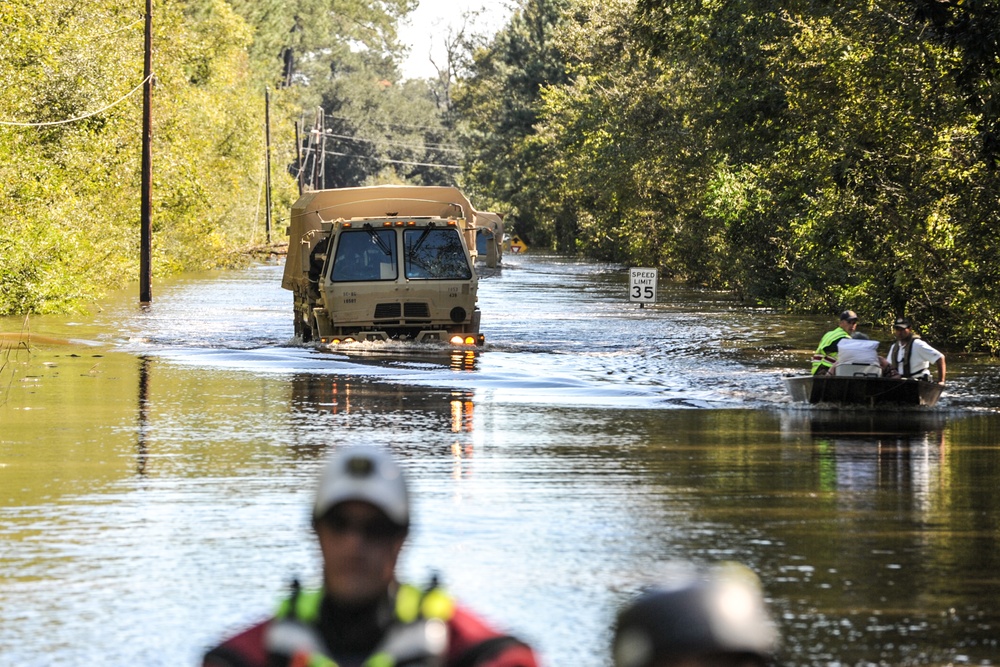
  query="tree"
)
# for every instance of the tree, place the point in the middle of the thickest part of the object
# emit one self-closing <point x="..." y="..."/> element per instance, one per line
<point x="498" y="101"/>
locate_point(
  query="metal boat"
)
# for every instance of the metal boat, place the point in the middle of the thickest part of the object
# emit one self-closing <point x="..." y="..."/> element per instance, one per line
<point x="862" y="390"/>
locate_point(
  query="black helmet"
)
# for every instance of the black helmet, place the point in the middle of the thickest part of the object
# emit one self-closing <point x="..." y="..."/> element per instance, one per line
<point x="721" y="612"/>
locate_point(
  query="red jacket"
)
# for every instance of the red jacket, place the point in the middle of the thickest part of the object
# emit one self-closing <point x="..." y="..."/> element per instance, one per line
<point x="471" y="643"/>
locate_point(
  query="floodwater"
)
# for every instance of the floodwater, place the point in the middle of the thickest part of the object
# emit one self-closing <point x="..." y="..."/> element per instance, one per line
<point x="156" y="470"/>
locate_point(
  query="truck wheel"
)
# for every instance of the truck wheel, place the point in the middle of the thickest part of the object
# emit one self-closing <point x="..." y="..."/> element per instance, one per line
<point x="302" y="330"/>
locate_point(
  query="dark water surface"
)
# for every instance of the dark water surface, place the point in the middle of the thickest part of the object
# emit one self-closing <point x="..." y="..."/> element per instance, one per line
<point x="156" y="469"/>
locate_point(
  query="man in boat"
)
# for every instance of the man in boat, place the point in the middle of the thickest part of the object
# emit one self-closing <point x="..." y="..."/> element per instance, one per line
<point x="910" y="356"/>
<point x="362" y="616"/>
<point x="716" y="620"/>
<point x="825" y="355"/>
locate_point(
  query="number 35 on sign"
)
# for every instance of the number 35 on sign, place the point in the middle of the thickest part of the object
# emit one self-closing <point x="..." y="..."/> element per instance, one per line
<point x="642" y="285"/>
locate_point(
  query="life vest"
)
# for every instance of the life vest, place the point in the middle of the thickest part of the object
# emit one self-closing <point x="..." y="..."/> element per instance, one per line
<point x="894" y="359"/>
<point x="419" y="632"/>
<point x="820" y="357"/>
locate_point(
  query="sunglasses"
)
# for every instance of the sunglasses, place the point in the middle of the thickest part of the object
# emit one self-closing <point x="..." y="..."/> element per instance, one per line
<point x="372" y="530"/>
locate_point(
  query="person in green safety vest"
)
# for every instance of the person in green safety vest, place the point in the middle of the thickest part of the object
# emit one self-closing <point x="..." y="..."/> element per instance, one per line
<point x="825" y="355"/>
<point x="362" y="616"/>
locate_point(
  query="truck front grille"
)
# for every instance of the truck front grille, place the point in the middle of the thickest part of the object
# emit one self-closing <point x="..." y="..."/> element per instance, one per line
<point x="416" y="310"/>
<point x="387" y="311"/>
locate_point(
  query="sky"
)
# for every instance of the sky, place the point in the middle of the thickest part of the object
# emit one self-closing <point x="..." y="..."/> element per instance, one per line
<point x="434" y="17"/>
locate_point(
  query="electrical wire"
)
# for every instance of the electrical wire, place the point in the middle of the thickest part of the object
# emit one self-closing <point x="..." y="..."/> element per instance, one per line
<point x="412" y="127"/>
<point x="411" y="164"/>
<point x="88" y="115"/>
<point x="121" y="29"/>
<point x="391" y="143"/>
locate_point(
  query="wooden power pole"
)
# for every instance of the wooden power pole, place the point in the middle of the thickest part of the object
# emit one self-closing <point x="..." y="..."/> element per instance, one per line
<point x="145" y="222"/>
<point x="267" y="165"/>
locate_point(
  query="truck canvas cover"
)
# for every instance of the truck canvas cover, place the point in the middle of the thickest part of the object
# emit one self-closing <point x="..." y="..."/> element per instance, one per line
<point x="312" y="209"/>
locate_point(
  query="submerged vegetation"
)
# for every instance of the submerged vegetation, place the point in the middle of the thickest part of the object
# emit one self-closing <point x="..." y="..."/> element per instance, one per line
<point x="804" y="155"/>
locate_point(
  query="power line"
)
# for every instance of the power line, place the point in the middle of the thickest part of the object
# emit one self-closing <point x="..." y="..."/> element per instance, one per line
<point x="375" y="122"/>
<point x="88" y="115"/>
<point x="117" y="30"/>
<point x="412" y="164"/>
<point x="392" y="143"/>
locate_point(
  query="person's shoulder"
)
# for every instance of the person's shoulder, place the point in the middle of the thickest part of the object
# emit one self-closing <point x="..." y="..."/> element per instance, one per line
<point x="921" y="343"/>
<point x="244" y="649"/>
<point x="475" y="643"/>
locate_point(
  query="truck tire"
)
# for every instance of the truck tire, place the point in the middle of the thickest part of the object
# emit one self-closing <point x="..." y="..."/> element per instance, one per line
<point x="302" y="328"/>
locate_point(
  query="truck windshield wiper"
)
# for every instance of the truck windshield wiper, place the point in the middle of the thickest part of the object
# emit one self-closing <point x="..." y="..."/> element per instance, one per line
<point x="420" y="240"/>
<point x="378" y="240"/>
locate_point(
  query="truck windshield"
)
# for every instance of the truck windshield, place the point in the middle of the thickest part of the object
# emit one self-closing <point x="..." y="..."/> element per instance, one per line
<point x="365" y="254"/>
<point x="435" y="254"/>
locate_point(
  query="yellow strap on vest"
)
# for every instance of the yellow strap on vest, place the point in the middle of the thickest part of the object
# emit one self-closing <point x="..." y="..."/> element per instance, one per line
<point x="412" y="603"/>
<point x="380" y="660"/>
<point x="306" y="606"/>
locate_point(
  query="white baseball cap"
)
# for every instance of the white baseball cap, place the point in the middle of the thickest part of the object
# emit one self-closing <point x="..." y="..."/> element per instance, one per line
<point x="369" y="474"/>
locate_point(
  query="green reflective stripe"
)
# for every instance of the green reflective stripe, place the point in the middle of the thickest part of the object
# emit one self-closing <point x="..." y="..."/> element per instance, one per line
<point x="317" y="660"/>
<point x="380" y="660"/>
<point x="413" y="604"/>
<point x="437" y="604"/>
<point x="408" y="603"/>
<point x="306" y="606"/>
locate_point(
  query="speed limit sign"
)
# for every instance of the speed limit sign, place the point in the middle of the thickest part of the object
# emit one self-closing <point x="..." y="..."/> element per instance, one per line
<point x="642" y="285"/>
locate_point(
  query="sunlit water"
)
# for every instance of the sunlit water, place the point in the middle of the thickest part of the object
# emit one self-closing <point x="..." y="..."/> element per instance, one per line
<point x="156" y="469"/>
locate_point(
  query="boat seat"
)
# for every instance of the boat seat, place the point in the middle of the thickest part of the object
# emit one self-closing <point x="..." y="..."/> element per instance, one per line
<point x="857" y="370"/>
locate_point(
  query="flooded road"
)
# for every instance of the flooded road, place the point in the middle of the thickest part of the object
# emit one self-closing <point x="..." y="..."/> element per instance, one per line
<point x="156" y="471"/>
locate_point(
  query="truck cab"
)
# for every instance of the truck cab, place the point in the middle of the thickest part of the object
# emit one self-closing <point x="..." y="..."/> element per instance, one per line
<point x="384" y="262"/>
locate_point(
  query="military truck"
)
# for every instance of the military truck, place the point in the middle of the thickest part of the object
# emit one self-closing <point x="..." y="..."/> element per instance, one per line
<point x="385" y="262"/>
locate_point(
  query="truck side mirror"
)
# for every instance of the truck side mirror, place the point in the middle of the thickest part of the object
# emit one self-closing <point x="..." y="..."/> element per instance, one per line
<point x="491" y="252"/>
<point x="305" y="250"/>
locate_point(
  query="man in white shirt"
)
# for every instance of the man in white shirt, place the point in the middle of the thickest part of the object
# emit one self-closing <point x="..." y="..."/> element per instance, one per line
<point x="910" y="356"/>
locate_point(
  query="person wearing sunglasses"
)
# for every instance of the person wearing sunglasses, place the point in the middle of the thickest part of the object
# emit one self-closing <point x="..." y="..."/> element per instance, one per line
<point x="362" y="616"/>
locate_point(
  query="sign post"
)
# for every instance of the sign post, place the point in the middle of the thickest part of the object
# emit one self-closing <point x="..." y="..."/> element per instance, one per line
<point x="642" y="285"/>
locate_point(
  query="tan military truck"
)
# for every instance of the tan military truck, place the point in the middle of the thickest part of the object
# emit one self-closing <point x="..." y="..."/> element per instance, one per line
<point x="385" y="262"/>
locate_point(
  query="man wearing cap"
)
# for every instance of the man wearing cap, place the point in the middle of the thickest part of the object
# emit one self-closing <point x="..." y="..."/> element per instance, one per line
<point x="714" y="619"/>
<point x="825" y="355"/>
<point x="362" y="616"/>
<point x="910" y="356"/>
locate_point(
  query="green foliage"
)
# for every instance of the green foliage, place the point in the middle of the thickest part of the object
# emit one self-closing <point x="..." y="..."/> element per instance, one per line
<point x="498" y="99"/>
<point x="69" y="192"/>
<point x="809" y="155"/>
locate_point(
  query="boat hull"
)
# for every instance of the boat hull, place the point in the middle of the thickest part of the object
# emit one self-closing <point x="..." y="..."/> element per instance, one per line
<point x="862" y="391"/>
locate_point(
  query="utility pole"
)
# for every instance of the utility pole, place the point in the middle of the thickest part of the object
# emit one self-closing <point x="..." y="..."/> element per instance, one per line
<point x="146" y="207"/>
<point x="321" y="137"/>
<point x="314" y="154"/>
<point x="267" y="167"/>
<point x="298" y="155"/>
